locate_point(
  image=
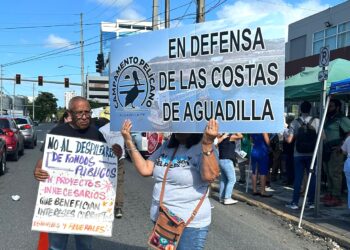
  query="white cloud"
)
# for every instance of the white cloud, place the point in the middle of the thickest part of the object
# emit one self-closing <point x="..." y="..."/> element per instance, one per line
<point x="242" y="13"/>
<point x="54" y="41"/>
<point x="130" y="14"/>
<point x="117" y="3"/>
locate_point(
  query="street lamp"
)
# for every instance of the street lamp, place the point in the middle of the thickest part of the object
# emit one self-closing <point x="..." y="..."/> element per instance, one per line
<point x="82" y="76"/>
<point x="69" y="66"/>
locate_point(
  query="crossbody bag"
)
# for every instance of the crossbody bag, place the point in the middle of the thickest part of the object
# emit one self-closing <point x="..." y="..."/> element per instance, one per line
<point x="169" y="227"/>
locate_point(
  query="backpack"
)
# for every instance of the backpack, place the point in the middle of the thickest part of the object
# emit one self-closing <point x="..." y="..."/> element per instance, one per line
<point x="306" y="137"/>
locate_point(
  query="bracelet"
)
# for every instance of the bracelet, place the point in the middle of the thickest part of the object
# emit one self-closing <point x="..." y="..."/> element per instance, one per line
<point x="131" y="149"/>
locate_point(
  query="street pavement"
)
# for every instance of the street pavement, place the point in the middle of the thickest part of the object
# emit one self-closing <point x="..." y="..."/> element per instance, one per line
<point x="331" y="222"/>
<point x="240" y="226"/>
<point x="245" y="225"/>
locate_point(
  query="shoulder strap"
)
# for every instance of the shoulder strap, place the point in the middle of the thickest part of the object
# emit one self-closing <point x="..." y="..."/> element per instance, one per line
<point x="301" y="122"/>
<point x="164" y="178"/>
<point x="195" y="211"/>
<point x="311" y="120"/>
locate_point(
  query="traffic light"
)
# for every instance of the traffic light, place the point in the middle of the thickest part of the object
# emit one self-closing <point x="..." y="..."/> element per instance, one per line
<point x="18" y="78"/>
<point x="66" y="82"/>
<point x="40" y="80"/>
<point x="100" y="63"/>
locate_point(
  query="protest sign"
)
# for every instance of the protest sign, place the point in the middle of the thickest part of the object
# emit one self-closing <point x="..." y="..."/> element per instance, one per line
<point x="175" y="80"/>
<point x="79" y="195"/>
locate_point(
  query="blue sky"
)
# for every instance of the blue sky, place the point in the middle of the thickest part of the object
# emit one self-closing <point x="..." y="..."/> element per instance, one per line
<point x="34" y="28"/>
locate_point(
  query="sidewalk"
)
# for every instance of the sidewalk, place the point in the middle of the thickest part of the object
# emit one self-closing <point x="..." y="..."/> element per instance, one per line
<point x="332" y="222"/>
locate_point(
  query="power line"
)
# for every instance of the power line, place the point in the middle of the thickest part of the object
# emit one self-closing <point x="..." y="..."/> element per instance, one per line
<point x="47" y="26"/>
<point x="54" y="52"/>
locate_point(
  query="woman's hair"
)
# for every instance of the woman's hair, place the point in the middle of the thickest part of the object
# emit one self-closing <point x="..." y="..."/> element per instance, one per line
<point x="193" y="139"/>
<point x="65" y="115"/>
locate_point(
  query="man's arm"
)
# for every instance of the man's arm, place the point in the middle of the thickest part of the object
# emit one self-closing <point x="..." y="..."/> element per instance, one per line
<point x="39" y="173"/>
<point x="117" y="150"/>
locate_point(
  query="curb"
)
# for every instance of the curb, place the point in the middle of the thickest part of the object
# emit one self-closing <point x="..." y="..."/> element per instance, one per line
<point x="312" y="227"/>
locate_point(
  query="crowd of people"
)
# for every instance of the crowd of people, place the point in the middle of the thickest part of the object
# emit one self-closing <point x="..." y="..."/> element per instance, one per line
<point x="186" y="164"/>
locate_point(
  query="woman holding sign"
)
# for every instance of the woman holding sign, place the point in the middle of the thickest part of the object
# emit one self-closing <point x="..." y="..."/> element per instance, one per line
<point x="182" y="169"/>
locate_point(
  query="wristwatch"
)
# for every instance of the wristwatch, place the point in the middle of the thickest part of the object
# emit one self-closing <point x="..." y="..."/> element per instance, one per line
<point x="207" y="153"/>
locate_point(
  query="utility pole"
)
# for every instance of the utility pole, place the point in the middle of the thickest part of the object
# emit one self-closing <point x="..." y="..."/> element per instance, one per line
<point x="33" y="103"/>
<point x="83" y="86"/>
<point x="200" y="11"/>
<point x="167" y="14"/>
<point x="14" y="97"/>
<point x="155" y="15"/>
<point x="1" y="93"/>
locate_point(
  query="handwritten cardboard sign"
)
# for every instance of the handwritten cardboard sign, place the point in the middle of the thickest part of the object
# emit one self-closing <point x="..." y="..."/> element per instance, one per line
<point x="79" y="195"/>
<point x="175" y="80"/>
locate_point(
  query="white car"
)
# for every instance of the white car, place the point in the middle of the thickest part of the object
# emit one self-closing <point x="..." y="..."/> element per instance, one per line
<point x="147" y="143"/>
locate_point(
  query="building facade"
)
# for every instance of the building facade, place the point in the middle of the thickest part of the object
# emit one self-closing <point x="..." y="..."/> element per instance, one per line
<point x="307" y="36"/>
<point x="98" y="86"/>
<point x="68" y="95"/>
<point x="98" y="89"/>
<point x="119" y="29"/>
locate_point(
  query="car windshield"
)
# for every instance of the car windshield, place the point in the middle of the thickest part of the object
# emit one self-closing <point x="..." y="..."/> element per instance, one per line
<point x="4" y="123"/>
<point x="21" y="121"/>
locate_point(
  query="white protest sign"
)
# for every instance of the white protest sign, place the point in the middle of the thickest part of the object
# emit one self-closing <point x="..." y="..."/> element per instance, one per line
<point x="79" y="196"/>
<point x="175" y="80"/>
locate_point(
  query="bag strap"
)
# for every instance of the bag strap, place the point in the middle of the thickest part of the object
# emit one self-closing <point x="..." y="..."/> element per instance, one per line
<point x="301" y="121"/>
<point x="311" y="120"/>
<point x="164" y="178"/>
<point x="195" y="211"/>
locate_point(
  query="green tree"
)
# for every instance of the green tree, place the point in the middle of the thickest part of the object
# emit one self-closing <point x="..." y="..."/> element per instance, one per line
<point x="45" y="106"/>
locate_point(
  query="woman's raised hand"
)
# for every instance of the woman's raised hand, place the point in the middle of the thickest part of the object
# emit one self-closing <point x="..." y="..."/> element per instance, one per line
<point x="211" y="132"/>
<point x="126" y="128"/>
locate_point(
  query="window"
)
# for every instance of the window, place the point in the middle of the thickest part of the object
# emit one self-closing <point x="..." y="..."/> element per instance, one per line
<point x="317" y="47"/>
<point x="298" y="48"/>
<point x="334" y="37"/>
<point x="21" y="121"/>
<point x="344" y="34"/>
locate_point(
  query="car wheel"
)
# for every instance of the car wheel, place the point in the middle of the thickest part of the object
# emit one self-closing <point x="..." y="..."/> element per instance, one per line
<point x="21" y="152"/>
<point x="35" y="141"/>
<point x="3" y="163"/>
<point x="15" y="156"/>
<point x="32" y="144"/>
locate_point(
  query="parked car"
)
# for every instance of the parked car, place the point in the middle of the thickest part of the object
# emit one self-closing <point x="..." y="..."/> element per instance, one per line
<point x="27" y="127"/>
<point x="2" y="154"/>
<point x="13" y="137"/>
<point x="147" y="143"/>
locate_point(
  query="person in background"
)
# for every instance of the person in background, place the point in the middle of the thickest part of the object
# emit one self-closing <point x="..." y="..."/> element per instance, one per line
<point x="66" y="117"/>
<point x="302" y="160"/>
<point x="260" y="162"/>
<point x="194" y="166"/>
<point x="247" y="148"/>
<point x="114" y="139"/>
<point x="288" y="154"/>
<point x="226" y="144"/>
<point x="336" y="127"/>
<point x="346" y="150"/>
<point x="276" y="145"/>
<point x="78" y="127"/>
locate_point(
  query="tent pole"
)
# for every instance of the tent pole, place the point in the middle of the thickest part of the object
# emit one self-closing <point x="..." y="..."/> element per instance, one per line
<point x="323" y="110"/>
<point x="319" y="134"/>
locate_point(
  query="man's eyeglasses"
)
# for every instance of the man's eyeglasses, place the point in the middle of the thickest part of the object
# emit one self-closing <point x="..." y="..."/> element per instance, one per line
<point x="80" y="114"/>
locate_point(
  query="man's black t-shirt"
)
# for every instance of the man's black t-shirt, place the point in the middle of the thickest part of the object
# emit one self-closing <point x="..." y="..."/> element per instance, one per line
<point x="91" y="133"/>
<point x="227" y="149"/>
